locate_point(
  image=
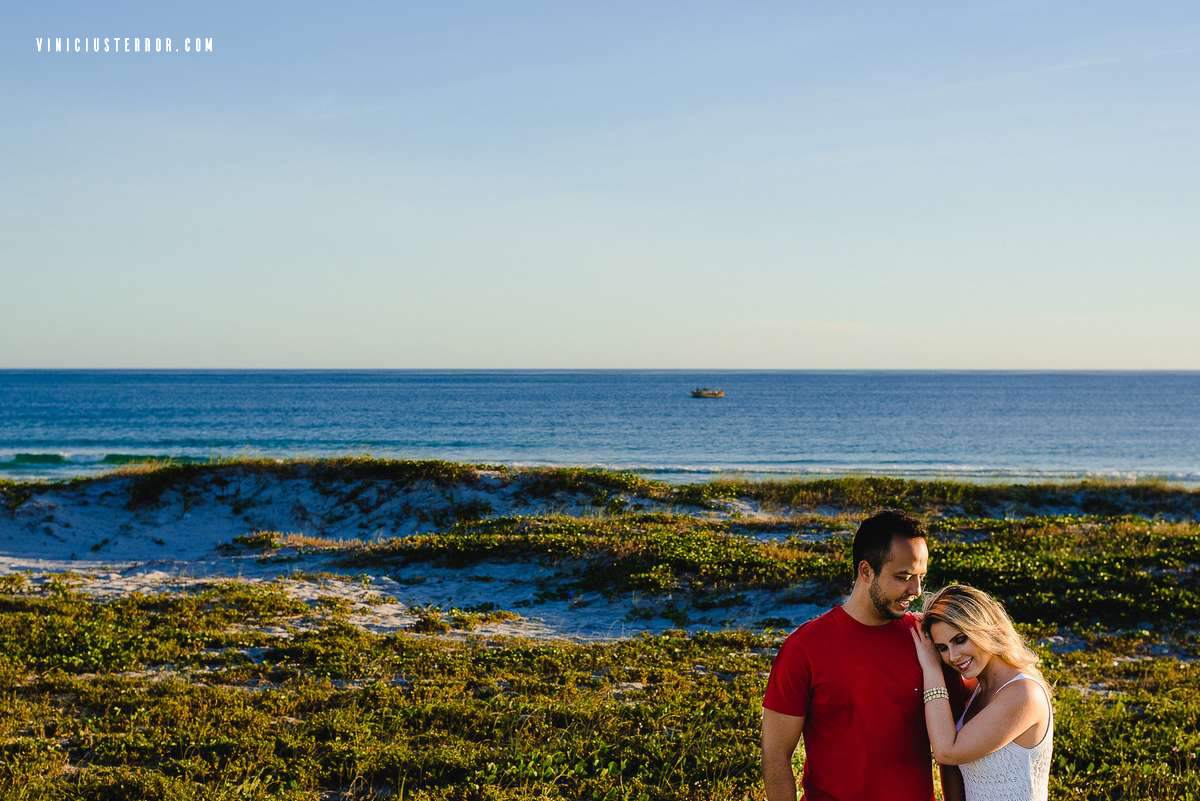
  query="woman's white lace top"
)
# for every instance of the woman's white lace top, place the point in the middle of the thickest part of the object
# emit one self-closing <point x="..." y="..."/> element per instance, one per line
<point x="1012" y="773"/>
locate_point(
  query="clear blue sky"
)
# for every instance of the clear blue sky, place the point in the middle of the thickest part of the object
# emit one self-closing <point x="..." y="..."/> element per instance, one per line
<point x="762" y="185"/>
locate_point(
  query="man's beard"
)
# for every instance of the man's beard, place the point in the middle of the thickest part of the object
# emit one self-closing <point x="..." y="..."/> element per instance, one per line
<point x="882" y="605"/>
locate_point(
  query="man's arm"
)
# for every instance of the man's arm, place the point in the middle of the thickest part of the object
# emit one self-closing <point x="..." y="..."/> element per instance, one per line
<point x="952" y="783"/>
<point x="780" y="734"/>
<point x="960" y="690"/>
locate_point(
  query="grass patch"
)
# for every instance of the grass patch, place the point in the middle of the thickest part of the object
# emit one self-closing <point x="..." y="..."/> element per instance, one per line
<point x="149" y="481"/>
<point x="15" y="493"/>
<point x="65" y="630"/>
<point x="606" y="489"/>
<point x="874" y="492"/>
<point x="238" y="690"/>
<point x="616" y="491"/>
<point x="276" y="540"/>
<point x="337" y="710"/>
<point x="656" y="553"/>
<point x="1122" y="571"/>
<point x="433" y="620"/>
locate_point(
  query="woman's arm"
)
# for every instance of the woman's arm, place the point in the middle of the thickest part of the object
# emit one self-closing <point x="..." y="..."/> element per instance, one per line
<point x="1012" y="711"/>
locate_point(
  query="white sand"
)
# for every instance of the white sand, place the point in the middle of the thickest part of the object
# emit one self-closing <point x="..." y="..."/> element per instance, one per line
<point x="171" y="545"/>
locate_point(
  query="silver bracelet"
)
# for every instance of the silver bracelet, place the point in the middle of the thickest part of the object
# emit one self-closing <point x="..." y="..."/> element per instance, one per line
<point x="935" y="693"/>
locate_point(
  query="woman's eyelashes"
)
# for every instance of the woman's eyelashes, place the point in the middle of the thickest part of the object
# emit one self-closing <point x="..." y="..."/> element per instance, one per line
<point x="961" y="639"/>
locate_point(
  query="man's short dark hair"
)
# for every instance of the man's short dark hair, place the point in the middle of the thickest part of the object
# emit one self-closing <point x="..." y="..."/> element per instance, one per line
<point x="873" y="540"/>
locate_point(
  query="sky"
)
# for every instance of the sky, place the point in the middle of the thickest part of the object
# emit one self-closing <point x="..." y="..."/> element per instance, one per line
<point x="1000" y="185"/>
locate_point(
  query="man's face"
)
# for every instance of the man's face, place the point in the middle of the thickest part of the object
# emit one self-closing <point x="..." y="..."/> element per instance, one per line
<point x="898" y="582"/>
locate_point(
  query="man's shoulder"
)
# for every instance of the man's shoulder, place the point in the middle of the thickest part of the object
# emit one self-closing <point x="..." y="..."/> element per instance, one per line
<point x="816" y="628"/>
<point x="837" y="627"/>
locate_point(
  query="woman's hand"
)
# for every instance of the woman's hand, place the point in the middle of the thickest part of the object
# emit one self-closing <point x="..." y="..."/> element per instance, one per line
<point x="927" y="654"/>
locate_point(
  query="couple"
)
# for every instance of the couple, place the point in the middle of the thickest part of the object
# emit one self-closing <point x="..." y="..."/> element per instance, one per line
<point x="872" y="686"/>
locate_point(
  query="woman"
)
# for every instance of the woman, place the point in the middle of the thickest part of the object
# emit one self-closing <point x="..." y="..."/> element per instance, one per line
<point x="1002" y="742"/>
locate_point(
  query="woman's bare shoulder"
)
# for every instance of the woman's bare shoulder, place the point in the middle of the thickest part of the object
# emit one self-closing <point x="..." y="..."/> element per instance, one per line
<point x="1024" y="693"/>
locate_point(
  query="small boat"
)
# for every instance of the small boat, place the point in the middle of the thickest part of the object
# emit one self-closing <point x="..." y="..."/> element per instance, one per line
<point x="708" y="392"/>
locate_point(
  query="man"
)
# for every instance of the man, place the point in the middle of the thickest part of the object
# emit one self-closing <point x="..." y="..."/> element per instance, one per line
<point x="849" y="681"/>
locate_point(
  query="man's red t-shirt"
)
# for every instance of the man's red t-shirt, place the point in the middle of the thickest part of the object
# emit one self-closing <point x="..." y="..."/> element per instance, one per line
<point x="858" y="688"/>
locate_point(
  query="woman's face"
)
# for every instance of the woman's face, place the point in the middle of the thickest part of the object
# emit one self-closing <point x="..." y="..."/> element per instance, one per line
<point x="957" y="650"/>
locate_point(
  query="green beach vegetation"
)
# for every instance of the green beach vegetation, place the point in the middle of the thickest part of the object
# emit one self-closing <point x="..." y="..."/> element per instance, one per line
<point x="183" y="697"/>
<point x="238" y="690"/>
<point x="1088" y="570"/>
<point x="147" y="482"/>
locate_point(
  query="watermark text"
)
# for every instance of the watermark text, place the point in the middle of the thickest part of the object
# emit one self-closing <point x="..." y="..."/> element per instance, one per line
<point x="123" y="44"/>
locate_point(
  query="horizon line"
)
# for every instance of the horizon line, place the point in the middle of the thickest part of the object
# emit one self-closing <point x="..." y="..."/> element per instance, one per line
<point x="599" y="369"/>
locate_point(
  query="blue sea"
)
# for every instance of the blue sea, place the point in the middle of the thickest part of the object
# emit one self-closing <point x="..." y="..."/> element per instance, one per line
<point x="986" y="426"/>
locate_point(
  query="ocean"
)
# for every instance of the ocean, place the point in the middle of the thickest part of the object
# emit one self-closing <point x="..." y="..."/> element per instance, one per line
<point x="984" y="426"/>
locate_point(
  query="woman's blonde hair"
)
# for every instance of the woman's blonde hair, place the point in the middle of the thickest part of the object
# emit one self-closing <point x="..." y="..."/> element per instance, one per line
<point x="983" y="619"/>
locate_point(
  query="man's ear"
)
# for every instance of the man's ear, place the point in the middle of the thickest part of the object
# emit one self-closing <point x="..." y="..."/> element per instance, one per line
<point x="865" y="572"/>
